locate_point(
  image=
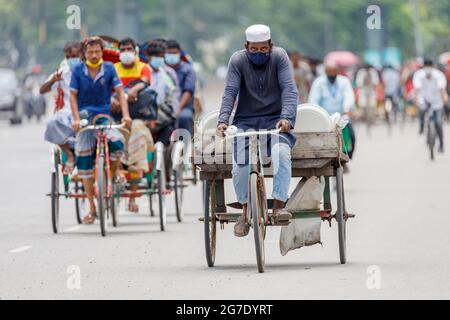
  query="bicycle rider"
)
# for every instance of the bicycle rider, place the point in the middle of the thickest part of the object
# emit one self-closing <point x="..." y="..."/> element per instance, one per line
<point x="92" y="84"/>
<point x="430" y="86"/>
<point x="392" y="88"/>
<point x="262" y="77"/>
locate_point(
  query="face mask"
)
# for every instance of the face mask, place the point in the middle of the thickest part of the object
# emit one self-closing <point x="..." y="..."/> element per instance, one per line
<point x="173" y="59"/>
<point x="127" y="58"/>
<point x="92" y="65"/>
<point x="259" y="58"/>
<point x="157" y="62"/>
<point x="332" y="79"/>
<point x="73" y="62"/>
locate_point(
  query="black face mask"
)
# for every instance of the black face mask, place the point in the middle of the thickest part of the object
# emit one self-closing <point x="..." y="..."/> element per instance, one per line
<point x="332" y="79"/>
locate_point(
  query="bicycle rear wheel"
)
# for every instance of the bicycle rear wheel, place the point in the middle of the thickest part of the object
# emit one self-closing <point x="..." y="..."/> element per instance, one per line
<point x="259" y="228"/>
<point x="340" y="215"/>
<point x="162" y="200"/>
<point x="161" y="184"/>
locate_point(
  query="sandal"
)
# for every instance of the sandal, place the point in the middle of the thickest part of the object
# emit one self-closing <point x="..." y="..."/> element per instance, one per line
<point x="90" y="218"/>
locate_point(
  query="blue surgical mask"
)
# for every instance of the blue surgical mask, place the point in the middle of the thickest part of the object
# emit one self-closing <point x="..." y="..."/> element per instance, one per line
<point x="173" y="59"/>
<point x="73" y="62"/>
<point x="157" y="62"/>
<point x="259" y="58"/>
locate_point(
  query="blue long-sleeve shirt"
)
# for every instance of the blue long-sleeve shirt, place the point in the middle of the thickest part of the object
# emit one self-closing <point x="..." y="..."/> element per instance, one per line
<point x="265" y="94"/>
<point x="338" y="97"/>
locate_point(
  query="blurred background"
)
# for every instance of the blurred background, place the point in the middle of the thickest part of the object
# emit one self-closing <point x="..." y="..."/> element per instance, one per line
<point x="397" y="193"/>
<point x="35" y="31"/>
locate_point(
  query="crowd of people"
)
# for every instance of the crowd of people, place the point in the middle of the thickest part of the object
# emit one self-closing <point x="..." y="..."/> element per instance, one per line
<point x="364" y="92"/>
<point x="150" y="92"/>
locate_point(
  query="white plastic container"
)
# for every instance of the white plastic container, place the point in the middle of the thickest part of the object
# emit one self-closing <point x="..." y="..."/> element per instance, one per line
<point x="312" y="118"/>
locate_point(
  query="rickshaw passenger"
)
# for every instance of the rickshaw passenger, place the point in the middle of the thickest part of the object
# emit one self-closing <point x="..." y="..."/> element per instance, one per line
<point x="166" y="88"/>
<point x="136" y="77"/>
<point x="262" y="77"/>
<point x="187" y="79"/>
<point x="59" y="129"/>
<point x="91" y="88"/>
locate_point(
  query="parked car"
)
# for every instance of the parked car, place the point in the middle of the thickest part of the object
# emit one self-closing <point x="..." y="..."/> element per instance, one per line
<point x="9" y="95"/>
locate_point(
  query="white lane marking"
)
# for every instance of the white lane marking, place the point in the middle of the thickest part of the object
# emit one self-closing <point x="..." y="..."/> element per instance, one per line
<point x="75" y="228"/>
<point x="20" y="249"/>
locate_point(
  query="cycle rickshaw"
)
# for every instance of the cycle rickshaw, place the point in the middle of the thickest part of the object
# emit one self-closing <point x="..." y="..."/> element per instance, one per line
<point x="107" y="192"/>
<point x="316" y="154"/>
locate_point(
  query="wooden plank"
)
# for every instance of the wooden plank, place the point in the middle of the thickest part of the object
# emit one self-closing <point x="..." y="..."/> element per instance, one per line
<point x="310" y="163"/>
<point x="316" y="141"/>
<point x="328" y="171"/>
<point x="209" y="143"/>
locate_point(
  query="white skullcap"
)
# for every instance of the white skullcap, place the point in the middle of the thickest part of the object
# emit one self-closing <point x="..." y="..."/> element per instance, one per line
<point x="258" y="33"/>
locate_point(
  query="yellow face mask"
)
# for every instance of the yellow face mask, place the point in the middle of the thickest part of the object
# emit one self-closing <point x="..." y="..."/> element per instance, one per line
<point x="92" y="65"/>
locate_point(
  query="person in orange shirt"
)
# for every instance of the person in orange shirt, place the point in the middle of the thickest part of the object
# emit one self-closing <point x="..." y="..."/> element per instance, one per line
<point x="136" y="77"/>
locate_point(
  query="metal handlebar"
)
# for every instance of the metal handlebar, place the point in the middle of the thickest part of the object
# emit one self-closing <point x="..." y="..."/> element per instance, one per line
<point x="84" y="124"/>
<point x="232" y="133"/>
<point x="102" y="126"/>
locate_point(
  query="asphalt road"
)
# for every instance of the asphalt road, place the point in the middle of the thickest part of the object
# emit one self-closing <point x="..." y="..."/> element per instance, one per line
<point x="397" y="245"/>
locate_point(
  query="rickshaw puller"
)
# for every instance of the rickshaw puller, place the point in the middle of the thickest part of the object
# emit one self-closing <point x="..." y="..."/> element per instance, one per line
<point x="261" y="78"/>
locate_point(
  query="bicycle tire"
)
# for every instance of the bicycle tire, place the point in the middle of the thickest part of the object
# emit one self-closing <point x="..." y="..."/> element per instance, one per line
<point x="101" y="189"/>
<point x="178" y="192"/>
<point x="55" y="196"/>
<point x="210" y="223"/>
<point x="340" y="216"/>
<point x="258" y="221"/>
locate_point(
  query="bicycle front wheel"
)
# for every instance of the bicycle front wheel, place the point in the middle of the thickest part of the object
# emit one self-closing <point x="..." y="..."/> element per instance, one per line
<point x="79" y="204"/>
<point x="210" y="222"/>
<point x="55" y="196"/>
<point x="257" y="213"/>
<point x="102" y="188"/>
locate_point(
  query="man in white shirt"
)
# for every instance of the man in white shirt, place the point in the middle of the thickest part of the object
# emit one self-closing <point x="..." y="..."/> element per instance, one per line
<point x="430" y="86"/>
<point x="59" y="126"/>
